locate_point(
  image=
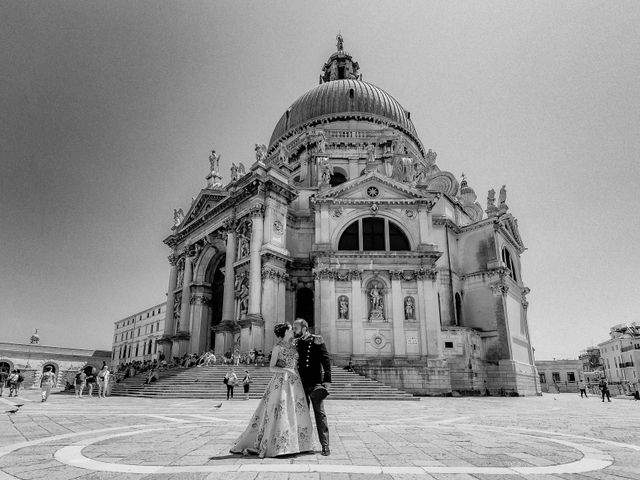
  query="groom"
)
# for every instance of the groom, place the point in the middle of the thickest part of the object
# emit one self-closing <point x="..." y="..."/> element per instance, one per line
<point x="314" y="366"/>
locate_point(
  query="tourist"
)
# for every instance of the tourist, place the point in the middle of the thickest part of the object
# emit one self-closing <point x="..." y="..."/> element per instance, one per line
<point x="230" y="379"/>
<point x="79" y="383"/>
<point x="47" y="382"/>
<point x="604" y="388"/>
<point x="91" y="381"/>
<point x="236" y="357"/>
<point x="281" y="409"/>
<point x="246" y="381"/>
<point x="152" y="377"/>
<point x="252" y="356"/>
<point x="635" y="389"/>
<point x="19" y="383"/>
<point x="260" y="358"/>
<point x="103" y="381"/>
<point x="583" y="388"/>
<point x="4" y="377"/>
<point x="13" y="383"/>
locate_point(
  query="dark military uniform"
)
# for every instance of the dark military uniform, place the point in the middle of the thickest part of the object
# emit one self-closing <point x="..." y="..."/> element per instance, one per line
<point x="314" y="366"/>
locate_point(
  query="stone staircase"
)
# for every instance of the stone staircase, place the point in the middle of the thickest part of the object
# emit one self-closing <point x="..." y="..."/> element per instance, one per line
<point x="207" y="382"/>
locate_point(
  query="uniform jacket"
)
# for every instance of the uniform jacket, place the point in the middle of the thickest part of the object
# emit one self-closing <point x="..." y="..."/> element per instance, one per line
<point x="314" y="363"/>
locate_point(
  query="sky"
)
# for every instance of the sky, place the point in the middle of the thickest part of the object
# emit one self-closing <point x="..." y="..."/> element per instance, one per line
<point x="108" y="111"/>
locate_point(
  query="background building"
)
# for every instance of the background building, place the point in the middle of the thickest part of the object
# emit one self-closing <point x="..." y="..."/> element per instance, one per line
<point x="135" y="338"/>
<point x="591" y="364"/>
<point x="346" y="220"/>
<point x="31" y="359"/>
<point x="560" y="375"/>
<point x="621" y="353"/>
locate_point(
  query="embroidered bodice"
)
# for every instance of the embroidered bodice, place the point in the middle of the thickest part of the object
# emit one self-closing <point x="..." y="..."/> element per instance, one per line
<point x="287" y="356"/>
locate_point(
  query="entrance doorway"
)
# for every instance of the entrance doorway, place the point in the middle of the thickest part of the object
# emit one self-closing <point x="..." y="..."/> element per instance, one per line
<point x="217" y="294"/>
<point x="304" y="307"/>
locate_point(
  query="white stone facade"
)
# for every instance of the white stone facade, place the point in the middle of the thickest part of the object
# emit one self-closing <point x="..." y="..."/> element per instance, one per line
<point x="347" y="221"/>
<point x="621" y="353"/>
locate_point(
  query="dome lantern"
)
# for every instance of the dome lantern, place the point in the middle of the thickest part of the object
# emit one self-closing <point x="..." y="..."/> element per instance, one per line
<point x="340" y="65"/>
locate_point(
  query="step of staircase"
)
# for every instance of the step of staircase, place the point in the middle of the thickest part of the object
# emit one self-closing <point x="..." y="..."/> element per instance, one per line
<point x="207" y="382"/>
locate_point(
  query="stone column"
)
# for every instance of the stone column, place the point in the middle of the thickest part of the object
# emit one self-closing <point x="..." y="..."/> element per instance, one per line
<point x="186" y="294"/>
<point x="356" y="312"/>
<point x="201" y="321"/>
<point x="255" y="267"/>
<point x="228" y="297"/>
<point x="273" y="307"/>
<point x="430" y="322"/>
<point x="397" y="307"/>
<point x="169" y="322"/>
<point x="326" y="314"/>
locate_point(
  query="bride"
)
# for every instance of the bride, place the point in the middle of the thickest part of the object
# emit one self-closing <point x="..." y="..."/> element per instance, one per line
<point x="281" y="425"/>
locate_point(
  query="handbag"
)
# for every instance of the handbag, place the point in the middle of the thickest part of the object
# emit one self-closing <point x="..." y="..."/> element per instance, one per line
<point x="226" y="381"/>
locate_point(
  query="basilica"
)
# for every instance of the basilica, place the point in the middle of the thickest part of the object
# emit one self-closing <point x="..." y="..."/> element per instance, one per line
<point x="345" y="219"/>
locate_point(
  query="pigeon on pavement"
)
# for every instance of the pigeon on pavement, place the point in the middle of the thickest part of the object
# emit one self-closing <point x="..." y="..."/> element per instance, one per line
<point x="218" y="406"/>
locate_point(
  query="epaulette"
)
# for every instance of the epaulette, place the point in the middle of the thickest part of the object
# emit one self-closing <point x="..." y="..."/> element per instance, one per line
<point x="318" y="340"/>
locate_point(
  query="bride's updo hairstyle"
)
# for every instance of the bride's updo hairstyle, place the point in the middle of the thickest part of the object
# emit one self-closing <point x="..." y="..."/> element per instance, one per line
<point x="280" y="329"/>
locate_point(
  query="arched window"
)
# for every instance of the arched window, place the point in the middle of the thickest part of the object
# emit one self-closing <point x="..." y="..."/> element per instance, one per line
<point x="509" y="263"/>
<point x="373" y="234"/>
<point x="458" y="309"/>
<point x="336" y="179"/>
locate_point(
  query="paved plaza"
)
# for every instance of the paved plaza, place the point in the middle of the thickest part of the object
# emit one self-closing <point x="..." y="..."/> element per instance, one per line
<point x="554" y="436"/>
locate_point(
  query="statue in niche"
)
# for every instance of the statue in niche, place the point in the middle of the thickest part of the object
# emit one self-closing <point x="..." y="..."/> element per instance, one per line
<point x="376" y="311"/>
<point x="409" y="308"/>
<point x="371" y="153"/>
<point x="404" y="170"/>
<point x="243" y="245"/>
<point x="420" y="173"/>
<point x="177" y="307"/>
<point x="178" y="217"/>
<point x="261" y="152"/>
<point x="326" y="170"/>
<point x="399" y="145"/>
<point x="283" y="154"/>
<point x="180" y="279"/>
<point x="503" y="195"/>
<point x="491" y="199"/>
<point x="304" y="164"/>
<point x="243" y="296"/>
<point x="343" y="307"/>
<point x="234" y="172"/>
<point x="321" y="142"/>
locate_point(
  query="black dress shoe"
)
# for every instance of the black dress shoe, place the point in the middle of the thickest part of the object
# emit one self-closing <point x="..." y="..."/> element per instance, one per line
<point x="325" y="451"/>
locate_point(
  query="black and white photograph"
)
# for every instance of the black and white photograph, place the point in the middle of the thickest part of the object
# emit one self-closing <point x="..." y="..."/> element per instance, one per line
<point x="330" y="240"/>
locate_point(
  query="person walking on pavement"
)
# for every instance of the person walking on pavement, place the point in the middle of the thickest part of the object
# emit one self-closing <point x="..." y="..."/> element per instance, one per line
<point x="246" y="381"/>
<point x="604" y="388"/>
<point x="47" y="382"/>
<point x="103" y="381"/>
<point x="79" y="383"/>
<point x="583" y="388"/>
<point x="314" y="367"/>
<point x="4" y="377"/>
<point x="230" y="379"/>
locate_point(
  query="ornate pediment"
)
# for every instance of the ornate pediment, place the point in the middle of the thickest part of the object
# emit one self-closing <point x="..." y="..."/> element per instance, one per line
<point x="508" y="224"/>
<point x="204" y="202"/>
<point x="372" y="186"/>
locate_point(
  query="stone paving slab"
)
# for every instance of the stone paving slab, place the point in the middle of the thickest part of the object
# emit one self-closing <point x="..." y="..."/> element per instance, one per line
<point x="549" y="437"/>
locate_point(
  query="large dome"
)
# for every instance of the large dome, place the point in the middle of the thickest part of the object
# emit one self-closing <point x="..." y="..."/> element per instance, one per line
<point x="341" y="100"/>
